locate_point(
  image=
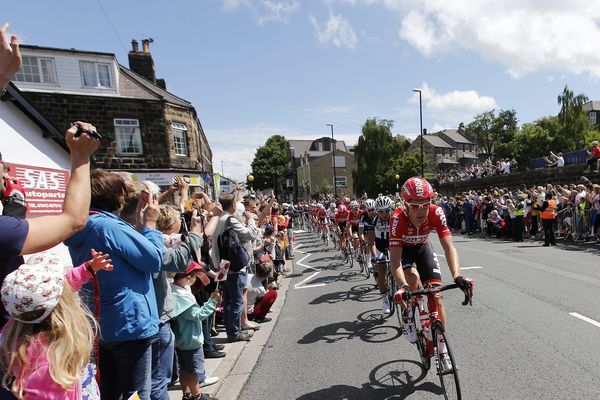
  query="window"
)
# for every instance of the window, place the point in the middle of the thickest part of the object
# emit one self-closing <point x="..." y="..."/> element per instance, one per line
<point x="340" y="161"/>
<point x="180" y="139"/>
<point x="340" y="181"/>
<point x="593" y="117"/>
<point x="438" y="151"/>
<point x="289" y="183"/>
<point x="129" y="138"/>
<point x="451" y="152"/>
<point x="37" y="70"/>
<point x="95" y="74"/>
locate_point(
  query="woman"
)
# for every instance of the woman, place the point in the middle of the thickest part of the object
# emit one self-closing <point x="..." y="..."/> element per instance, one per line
<point x="128" y="315"/>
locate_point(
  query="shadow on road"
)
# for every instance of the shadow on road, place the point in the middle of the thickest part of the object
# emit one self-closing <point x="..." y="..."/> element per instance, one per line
<point x="391" y="380"/>
<point x="360" y="293"/>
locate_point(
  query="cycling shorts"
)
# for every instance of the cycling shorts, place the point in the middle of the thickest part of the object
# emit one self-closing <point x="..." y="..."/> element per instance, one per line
<point x="354" y="229"/>
<point x="426" y="261"/>
<point x="342" y="227"/>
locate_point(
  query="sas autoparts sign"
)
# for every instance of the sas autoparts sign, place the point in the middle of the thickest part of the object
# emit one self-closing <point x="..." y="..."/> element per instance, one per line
<point x="45" y="188"/>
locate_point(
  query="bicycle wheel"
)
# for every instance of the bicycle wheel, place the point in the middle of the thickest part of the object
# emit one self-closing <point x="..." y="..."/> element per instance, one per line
<point x="391" y="289"/>
<point x="367" y="269"/>
<point x="421" y="341"/>
<point x="448" y="379"/>
<point x="350" y="250"/>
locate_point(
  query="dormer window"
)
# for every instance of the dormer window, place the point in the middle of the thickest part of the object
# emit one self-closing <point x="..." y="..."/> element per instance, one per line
<point x="37" y="70"/>
<point x="95" y="75"/>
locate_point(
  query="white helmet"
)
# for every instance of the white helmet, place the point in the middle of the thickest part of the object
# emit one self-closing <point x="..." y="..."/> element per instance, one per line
<point x="369" y="204"/>
<point x="331" y="205"/>
<point x="354" y="205"/>
<point x="383" y="203"/>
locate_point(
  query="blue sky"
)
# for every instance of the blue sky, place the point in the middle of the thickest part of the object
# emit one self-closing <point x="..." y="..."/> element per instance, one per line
<point x="254" y="68"/>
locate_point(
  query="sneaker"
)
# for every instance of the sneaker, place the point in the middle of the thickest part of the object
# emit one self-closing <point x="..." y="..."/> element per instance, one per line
<point x="219" y="347"/>
<point x="446" y="364"/>
<point x="214" y="354"/>
<point x="409" y="331"/>
<point x="211" y="380"/>
<point x="241" y="336"/>
<point x="206" y="396"/>
<point x="263" y="320"/>
<point x="385" y="306"/>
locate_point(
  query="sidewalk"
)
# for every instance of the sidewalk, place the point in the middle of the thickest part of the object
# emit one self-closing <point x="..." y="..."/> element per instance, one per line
<point x="234" y="369"/>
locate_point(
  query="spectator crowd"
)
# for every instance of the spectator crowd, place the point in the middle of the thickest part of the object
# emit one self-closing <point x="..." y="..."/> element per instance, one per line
<point x="489" y="167"/>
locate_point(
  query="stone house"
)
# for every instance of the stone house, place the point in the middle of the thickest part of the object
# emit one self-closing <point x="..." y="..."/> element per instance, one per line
<point x="315" y="166"/>
<point x="149" y="131"/>
<point x="445" y="150"/>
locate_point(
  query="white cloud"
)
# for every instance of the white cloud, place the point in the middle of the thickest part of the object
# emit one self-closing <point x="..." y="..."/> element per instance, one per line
<point x="522" y="35"/>
<point x="464" y="100"/>
<point x="265" y="10"/>
<point x="336" y="31"/>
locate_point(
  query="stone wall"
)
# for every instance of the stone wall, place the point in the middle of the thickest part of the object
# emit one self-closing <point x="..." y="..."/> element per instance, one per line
<point x="321" y="169"/>
<point x="564" y="175"/>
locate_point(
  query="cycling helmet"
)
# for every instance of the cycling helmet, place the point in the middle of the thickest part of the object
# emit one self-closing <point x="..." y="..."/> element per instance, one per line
<point x="369" y="204"/>
<point x="342" y="208"/>
<point x="354" y="205"/>
<point x="331" y="205"/>
<point x="384" y="203"/>
<point x="346" y="200"/>
<point x="415" y="189"/>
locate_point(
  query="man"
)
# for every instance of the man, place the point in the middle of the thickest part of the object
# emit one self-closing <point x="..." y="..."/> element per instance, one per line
<point x="381" y="229"/>
<point x="548" y="214"/>
<point x="409" y="245"/>
<point x="233" y="288"/>
<point x="594" y="158"/>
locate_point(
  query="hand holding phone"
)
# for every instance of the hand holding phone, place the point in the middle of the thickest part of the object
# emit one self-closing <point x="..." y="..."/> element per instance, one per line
<point x="93" y="133"/>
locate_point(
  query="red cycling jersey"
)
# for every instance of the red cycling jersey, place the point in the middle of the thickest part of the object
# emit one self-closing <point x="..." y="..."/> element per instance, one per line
<point x="355" y="217"/>
<point x="403" y="233"/>
<point x="341" y="217"/>
<point x="322" y="214"/>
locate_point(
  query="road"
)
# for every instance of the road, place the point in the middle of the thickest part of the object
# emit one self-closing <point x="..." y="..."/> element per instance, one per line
<point x="523" y="338"/>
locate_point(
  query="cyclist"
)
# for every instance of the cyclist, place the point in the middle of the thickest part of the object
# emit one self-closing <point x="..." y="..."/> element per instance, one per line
<point x="341" y="219"/>
<point x="381" y="228"/>
<point x="353" y="221"/>
<point x="409" y="246"/>
<point x="331" y="211"/>
<point x="365" y="227"/>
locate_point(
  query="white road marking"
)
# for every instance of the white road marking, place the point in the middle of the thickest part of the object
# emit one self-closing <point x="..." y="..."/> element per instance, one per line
<point x="300" y="285"/>
<point x="299" y="231"/>
<point x="586" y="319"/>
<point x="463" y="268"/>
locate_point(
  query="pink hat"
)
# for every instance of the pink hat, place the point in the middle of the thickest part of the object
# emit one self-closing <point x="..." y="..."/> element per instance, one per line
<point x="35" y="286"/>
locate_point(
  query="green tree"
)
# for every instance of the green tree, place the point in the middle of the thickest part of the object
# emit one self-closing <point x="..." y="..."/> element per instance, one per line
<point x="270" y="162"/>
<point x="493" y="133"/>
<point x="375" y="154"/>
<point x="574" y="120"/>
<point x="533" y="140"/>
<point x="325" y="188"/>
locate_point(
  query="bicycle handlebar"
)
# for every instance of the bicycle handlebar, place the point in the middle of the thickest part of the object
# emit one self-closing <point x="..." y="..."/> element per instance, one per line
<point x="437" y="289"/>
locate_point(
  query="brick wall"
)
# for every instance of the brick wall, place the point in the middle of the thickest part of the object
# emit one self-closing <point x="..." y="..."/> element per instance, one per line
<point x="321" y="168"/>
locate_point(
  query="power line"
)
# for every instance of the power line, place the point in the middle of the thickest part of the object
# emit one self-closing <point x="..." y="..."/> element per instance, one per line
<point x="111" y="25"/>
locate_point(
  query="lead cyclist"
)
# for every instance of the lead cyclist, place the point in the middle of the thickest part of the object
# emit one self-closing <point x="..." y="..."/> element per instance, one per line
<point x="410" y="227"/>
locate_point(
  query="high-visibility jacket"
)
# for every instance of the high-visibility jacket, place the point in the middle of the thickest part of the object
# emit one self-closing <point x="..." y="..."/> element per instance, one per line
<point x="550" y="212"/>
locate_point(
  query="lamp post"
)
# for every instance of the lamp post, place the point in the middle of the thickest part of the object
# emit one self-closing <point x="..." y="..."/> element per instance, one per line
<point x="250" y="180"/>
<point x="333" y="160"/>
<point x="397" y="187"/>
<point x="421" y="125"/>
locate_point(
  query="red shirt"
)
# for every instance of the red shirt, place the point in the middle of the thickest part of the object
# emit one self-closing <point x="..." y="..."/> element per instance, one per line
<point x="322" y="213"/>
<point x="355" y="218"/>
<point x="403" y="233"/>
<point x="596" y="151"/>
<point x="341" y="217"/>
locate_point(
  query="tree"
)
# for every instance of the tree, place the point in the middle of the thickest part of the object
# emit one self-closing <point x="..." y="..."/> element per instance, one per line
<point x="375" y="153"/>
<point x="534" y="140"/>
<point x="573" y="119"/>
<point x="491" y="133"/>
<point x="270" y="162"/>
<point x="323" y="189"/>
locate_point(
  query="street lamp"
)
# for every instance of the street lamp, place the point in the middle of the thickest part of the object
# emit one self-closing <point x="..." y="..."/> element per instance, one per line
<point x="333" y="161"/>
<point x="397" y="187"/>
<point x="250" y="180"/>
<point x="421" y="119"/>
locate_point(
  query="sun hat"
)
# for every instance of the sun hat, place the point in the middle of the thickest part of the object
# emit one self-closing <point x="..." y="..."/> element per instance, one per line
<point x="36" y="285"/>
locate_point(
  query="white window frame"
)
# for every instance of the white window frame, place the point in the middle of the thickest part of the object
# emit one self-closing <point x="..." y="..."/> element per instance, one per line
<point x="135" y="135"/>
<point x="98" y="84"/>
<point x="341" y="181"/>
<point x="40" y="70"/>
<point x="340" y="161"/>
<point x="593" y="117"/>
<point x="180" y="143"/>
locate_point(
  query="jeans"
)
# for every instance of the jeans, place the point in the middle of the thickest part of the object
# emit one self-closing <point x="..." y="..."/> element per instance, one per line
<point x="209" y="345"/>
<point x="163" y="351"/>
<point x="126" y="367"/>
<point x="233" y="302"/>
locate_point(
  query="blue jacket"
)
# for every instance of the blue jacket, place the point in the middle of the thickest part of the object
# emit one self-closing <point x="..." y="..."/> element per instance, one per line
<point x="187" y="323"/>
<point x="127" y="300"/>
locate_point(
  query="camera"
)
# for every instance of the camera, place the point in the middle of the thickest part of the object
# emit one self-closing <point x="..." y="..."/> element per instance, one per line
<point x="93" y="134"/>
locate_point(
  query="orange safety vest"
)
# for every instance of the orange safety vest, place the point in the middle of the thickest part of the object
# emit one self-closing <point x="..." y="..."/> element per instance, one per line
<point x="550" y="212"/>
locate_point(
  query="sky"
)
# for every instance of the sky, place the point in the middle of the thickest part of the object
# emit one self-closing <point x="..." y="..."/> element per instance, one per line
<point x="256" y="68"/>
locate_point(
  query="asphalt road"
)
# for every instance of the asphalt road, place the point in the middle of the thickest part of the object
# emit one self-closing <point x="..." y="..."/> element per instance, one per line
<point x="519" y="340"/>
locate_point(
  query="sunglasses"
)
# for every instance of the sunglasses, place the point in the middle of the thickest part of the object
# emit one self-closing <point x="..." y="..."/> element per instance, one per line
<point x="417" y="206"/>
<point x="370" y="209"/>
<point x="384" y="211"/>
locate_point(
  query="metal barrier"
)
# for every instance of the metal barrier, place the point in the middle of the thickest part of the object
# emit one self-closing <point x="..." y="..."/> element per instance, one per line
<point x="564" y="223"/>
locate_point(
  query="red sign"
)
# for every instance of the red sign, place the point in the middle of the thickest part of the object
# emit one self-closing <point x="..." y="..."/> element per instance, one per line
<point x="45" y="188"/>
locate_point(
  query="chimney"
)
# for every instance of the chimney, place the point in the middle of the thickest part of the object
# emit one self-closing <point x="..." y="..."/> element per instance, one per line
<point x="141" y="62"/>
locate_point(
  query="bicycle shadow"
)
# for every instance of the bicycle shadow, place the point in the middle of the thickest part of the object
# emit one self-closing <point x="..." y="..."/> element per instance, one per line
<point x="345" y="276"/>
<point x="392" y="380"/>
<point x="362" y="296"/>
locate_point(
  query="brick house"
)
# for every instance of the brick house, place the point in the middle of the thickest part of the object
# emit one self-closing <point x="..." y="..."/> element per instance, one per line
<point x="150" y="132"/>
<point x="315" y="166"/>
<point x="592" y="108"/>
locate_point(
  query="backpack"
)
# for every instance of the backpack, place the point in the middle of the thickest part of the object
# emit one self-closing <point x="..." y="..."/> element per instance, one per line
<point x="231" y="249"/>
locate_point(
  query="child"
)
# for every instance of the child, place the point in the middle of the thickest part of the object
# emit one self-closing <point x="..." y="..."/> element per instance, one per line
<point x="46" y="345"/>
<point x="187" y="327"/>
